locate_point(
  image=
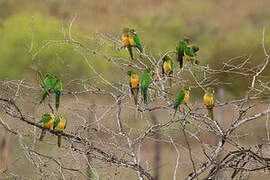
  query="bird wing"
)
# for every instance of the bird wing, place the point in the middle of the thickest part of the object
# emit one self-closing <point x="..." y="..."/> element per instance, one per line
<point x="49" y="81"/>
<point x="138" y="43"/>
<point x="45" y="118"/>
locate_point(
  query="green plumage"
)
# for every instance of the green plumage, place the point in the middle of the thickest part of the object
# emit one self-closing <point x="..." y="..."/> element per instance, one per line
<point x="180" y="98"/>
<point x="60" y="119"/>
<point x="189" y="52"/>
<point x="136" y="39"/>
<point x="49" y="83"/>
<point x="56" y="122"/>
<point x="145" y="81"/>
<point x="58" y="92"/>
<point x="180" y="50"/>
<point x="45" y="118"/>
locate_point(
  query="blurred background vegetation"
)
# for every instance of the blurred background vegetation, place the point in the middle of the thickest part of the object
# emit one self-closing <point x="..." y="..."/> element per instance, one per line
<point x="222" y="29"/>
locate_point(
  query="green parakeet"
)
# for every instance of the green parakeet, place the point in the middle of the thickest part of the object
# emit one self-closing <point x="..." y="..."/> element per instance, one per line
<point x="125" y="40"/>
<point x="59" y="125"/>
<point x="181" y="98"/>
<point x="134" y="40"/>
<point x="180" y="51"/>
<point x="134" y="84"/>
<point x="49" y="83"/>
<point x="48" y="121"/>
<point x="145" y="81"/>
<point x="209" y="101"/>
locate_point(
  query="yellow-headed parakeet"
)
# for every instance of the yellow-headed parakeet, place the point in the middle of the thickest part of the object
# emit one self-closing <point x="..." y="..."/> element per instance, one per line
<point x="209" y="101"/>
<point x="134" y="84"/>
<point x="59" y="125"/>
<point x="181" y="98"/>
<point x="125" y="40"/>
<point x="145" y="81"/>
<point x="48" y="121"/>
<point x="134" y="40"/>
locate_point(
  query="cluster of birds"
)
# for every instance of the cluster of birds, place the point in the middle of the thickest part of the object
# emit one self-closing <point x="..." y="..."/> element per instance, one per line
<point x="58" y="122"/>
<point x="130" y="40"/>
<point x="184" y="50"/>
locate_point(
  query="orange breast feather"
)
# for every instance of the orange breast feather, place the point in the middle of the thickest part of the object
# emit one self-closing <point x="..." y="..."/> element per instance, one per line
<point x="134" y="81"/>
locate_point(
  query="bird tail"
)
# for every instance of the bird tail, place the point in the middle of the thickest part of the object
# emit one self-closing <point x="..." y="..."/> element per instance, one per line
<point x="130" y="51"/>
<point x="210" y="112"/>
<point x="135" y="96"/>
<point x="170" y="81"/>
<point x="44" y="95"/>
<point x="175" y="107"/>
<point x="42" y="135"/>
<point x="140" y="48"/>
<point x="179" y="58"/>
<point x="57" y="101"/>
<point x="181" y="61"/>
<point x="59" y="140"/>
<point x="145" y="96"/>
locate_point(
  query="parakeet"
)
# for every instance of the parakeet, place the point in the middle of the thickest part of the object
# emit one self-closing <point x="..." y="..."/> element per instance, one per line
<point x="59" y="125"/>
<point x="125" y="40"/>
<point x="209" y="101"/>
<point x="180" y="50"/>
<point x="134" y="40"/>
<point x="181" y="98"/>
<point x="58" y="92"/>
<point x="48" y="121"/>
<point x="167" y="68"/>
<point x="49" y="83"/>
<point x="134" y="84"/>
<point x="189" y="53"/>
<point x="145" y="81"/>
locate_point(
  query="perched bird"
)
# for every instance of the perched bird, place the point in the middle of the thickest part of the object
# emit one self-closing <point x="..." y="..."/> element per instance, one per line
<point x="167" y="68"/>
<point x="134" y="84"/>
<point x="180" y="50"/>
<point x="182" y="98"/>
<point x="189" y="53"/>
<point x="49" y="83"/>
<point x="145" y="81"/>
<point x="125" y="40"/>
<point x="209" y="101"/>
<point x="48" y="121"/>
<point x="134" y="40"/>
<point x="59" y="125"/>
<point x="58" y="89"/>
